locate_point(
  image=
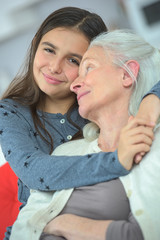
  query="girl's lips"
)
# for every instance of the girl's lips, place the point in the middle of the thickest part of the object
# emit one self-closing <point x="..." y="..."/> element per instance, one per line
<point x="51" y="80"/>
<point x="81" y="95"/>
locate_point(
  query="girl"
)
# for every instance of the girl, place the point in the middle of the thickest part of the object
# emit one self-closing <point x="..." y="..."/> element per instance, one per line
<point x="38" y="112"/>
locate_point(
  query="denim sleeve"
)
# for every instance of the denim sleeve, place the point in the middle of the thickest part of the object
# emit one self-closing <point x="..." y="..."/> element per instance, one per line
<point x="41" y="171"/>
<point x="124" y="230"/>
<point x="155" y="90"/>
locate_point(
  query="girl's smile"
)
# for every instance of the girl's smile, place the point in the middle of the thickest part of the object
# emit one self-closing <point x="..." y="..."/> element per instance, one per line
<point x="52" y="80"/>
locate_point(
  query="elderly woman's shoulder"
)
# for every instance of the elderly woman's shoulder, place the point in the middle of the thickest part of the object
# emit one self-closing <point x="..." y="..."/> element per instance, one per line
<point x="71" y="148"/>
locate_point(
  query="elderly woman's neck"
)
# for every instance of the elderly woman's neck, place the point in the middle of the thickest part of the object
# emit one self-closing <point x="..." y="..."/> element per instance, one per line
<point x="110" y="128"/>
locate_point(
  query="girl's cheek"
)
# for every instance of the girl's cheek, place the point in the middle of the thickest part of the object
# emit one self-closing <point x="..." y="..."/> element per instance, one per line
<point x="72" y="75"/>
<point x="39" y="59"/>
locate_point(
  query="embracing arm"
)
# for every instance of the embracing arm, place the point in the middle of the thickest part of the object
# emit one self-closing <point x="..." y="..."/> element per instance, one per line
<point x="73" y="227"/>
<point x="39" y="170"/>
<point x="149" y="110"/>
<point x="150" y="105"/>
<point x="124" y="230"/>
<point x="155" y="90"/>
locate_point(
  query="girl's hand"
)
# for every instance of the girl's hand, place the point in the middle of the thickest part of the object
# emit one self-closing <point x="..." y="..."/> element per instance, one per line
<point x="135" y="138"/>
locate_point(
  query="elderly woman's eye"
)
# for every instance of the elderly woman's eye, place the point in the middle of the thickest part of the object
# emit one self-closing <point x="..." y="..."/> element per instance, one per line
<point x="88" y="69"/>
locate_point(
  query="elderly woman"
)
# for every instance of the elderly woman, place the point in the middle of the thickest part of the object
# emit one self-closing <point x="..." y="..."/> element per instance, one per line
<point x="115" y="73"/>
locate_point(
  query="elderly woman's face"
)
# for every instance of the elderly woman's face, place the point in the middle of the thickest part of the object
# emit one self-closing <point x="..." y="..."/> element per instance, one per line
<point x="98" y="83"/>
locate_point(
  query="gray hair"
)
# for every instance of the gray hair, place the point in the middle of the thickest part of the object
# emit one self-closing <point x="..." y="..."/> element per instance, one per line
<point x="125" y="45"/>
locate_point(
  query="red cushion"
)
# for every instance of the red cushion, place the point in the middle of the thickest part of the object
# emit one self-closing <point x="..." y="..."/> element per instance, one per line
<point x="9" y="204"/>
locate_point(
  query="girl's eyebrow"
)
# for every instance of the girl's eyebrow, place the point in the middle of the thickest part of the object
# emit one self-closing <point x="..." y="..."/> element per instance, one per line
<point x="76" y="55"/>
<point x="54" y="47"/>
<point x="49" y="44"/>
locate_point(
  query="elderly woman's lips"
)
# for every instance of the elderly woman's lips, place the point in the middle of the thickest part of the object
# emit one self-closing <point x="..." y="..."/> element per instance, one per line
<point x="51" y="80"/>
<point x="81" y="95"/>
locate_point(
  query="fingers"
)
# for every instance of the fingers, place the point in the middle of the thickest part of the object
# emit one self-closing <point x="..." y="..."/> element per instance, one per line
<point x="141" y="130"/>
<point x="137" y="148"/>
<point x="130" y="118"/>
<point x="141" y="138"/>
<point x="138" y="158"/>
<point x="141" y="134"/>
<point x="141" y="147"/>
<point x="134" y="122"/>
<point x="135" y="141"/>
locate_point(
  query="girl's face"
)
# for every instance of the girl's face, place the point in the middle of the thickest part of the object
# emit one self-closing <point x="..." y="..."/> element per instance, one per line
<point x="56" y="63"/>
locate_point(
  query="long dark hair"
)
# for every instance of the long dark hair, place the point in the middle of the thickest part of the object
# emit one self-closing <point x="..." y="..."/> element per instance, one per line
<point x="23" y="87"/>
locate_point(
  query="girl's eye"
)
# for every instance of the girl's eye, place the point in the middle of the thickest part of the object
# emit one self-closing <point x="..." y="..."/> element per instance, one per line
<point x="74" y="61"/>
<point x="49" y="50"/>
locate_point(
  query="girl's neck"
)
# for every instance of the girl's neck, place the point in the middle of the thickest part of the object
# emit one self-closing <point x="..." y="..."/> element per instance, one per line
<point x="57" y="105"/>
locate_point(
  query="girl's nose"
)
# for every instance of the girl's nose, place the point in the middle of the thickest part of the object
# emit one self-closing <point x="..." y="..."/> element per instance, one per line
<point x="55" y="66"/>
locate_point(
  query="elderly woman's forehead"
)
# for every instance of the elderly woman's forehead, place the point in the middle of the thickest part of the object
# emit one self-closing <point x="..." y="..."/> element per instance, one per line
<point x="94" y="52"/>
<point x="95" y="48"/>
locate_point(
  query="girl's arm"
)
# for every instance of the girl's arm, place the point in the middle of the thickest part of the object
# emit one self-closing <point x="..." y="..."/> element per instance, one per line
<point x="39" y="170"/>
<point x="150" y="106"/>
<point x="22" y="148"/>
<point x="149" y="110"/>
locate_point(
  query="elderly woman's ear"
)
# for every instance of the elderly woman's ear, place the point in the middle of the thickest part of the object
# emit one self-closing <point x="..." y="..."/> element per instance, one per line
<point x="133" y="66"/>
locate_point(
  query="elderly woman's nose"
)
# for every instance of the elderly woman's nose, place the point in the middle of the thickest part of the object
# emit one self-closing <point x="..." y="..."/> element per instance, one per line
<point x="76" y="85"/>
